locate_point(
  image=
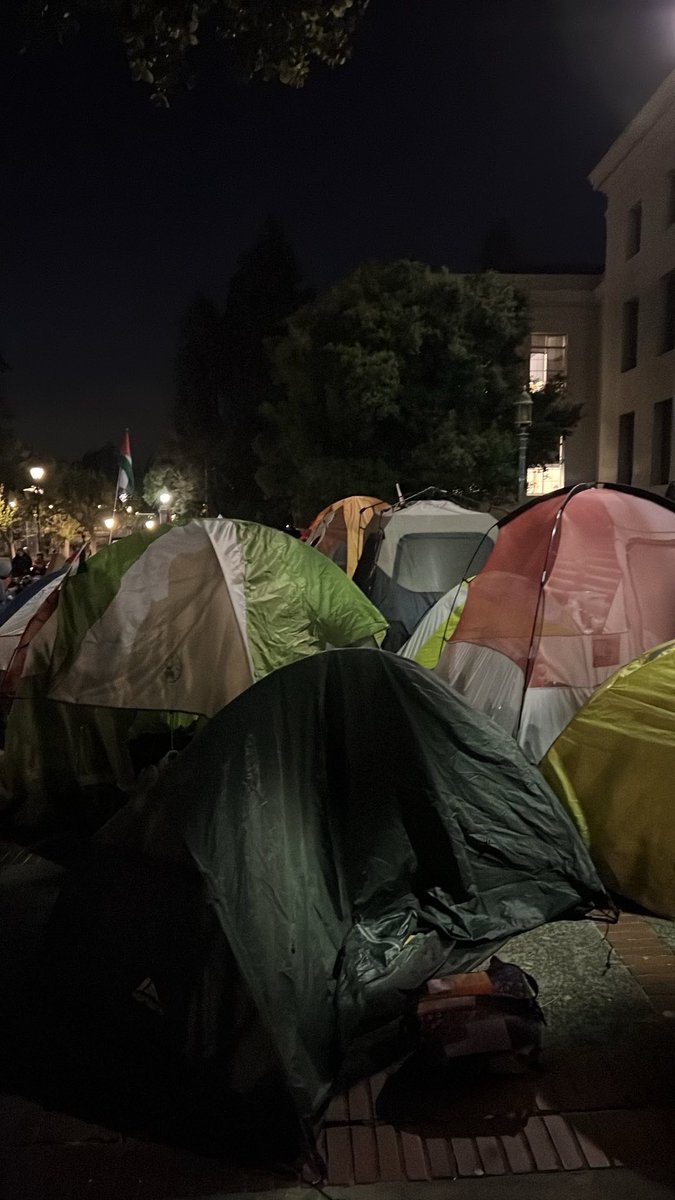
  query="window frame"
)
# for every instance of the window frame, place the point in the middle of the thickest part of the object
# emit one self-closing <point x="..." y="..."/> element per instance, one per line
<point x="630" y="360"/>
<point x="625" y="456"/>
<point x="539" y="347"/>
<point x="667" y="315"/>
<point x="662" y="441"/>
<point x="634" y="230"/>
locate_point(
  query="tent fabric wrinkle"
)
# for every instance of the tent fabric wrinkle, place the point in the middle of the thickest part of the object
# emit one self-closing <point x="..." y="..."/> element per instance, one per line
<point x="351" y="850"/>
<point x="428" y="517"/>
<point x="338" y="530"/>
<point x="415" y="554"/>
<point x="163" y="629"/>
<point x="156" y="643"/>
<point x="225" y="538"/>
<point x="305" y="602"/>
<point x="578" y="585"/>
<point x="13" y="623"/>
<point x="613" y="766"/>
<point x="436" y="628"/>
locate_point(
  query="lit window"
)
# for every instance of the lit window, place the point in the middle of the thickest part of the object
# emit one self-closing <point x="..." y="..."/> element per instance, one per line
<point x="548" y="358"/>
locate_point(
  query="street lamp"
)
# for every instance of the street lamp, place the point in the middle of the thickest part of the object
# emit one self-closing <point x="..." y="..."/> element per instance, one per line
<point x="109" y="522"/>
<point x="37" y="474"/>
<point x="150" y="523"/>
<point x="165" y="499"/>
<point x="523" y="412"/>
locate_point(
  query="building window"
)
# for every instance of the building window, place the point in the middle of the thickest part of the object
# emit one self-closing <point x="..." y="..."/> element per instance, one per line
<point x="634" y="230"/>
<point x="670" y="198"/>
<point x="548" y="358"/>
<point x="662" y="425"/>
<point x="668" y="312"/>
<point x="629" y="341"/>
<point x="624" y="467"/>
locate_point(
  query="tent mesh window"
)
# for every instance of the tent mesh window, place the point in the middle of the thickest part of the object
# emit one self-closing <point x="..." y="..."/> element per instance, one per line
<point x="435" y="562"/>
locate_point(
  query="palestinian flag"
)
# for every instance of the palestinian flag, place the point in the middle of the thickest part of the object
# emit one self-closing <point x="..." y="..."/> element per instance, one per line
<point x="125" y="479"/>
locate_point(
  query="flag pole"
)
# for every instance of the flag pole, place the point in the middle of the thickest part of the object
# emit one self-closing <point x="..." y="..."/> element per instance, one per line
<point x="117" y="492"/>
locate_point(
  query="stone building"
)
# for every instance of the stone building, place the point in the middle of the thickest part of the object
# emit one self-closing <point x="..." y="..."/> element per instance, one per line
<point x="565" y="340"/>
<point x="637" y="359"/>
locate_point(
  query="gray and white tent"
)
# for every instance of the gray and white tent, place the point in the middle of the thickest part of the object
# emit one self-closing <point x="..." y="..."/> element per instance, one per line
<point x="414" y="554"/>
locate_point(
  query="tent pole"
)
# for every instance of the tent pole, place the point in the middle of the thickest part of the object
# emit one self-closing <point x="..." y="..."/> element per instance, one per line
<point x="117" y="492"/>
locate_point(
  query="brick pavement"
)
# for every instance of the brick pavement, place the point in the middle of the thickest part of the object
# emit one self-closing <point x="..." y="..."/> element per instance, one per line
<point x="597" y="1126"/>
<point x="582" y="1118"/>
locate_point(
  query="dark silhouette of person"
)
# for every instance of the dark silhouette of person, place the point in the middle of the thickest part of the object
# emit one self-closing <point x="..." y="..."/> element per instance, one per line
<point x="21" y="563"/>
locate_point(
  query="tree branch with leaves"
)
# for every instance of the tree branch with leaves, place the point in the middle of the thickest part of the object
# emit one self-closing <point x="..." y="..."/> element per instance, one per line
<point x="272" y="39"/>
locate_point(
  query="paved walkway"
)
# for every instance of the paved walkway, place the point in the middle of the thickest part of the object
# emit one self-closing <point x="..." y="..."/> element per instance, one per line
<point x="603" y="1099"/>
<point x="598" y="1120"/>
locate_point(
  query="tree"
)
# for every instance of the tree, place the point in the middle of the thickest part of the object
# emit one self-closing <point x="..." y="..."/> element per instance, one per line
<point x="9" y="522"/>
<point x="264" y="291"/>
<point x="275" y="39"/>
<point x="59" y="526"/>
<point x="554" y="416"/>
<point x="104" y="461"/>
<point x="181" y="481"/>
<point x="200" y="434"/>
<point x="224" y="375"/>
<point x="398" y="374"/>
<point x="75" y="497"/>
<point x="13" y="454"/>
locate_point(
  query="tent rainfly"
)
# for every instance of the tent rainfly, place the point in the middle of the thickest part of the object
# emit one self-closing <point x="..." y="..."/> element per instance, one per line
<point x="177" y="622"/>
<point x="580" y="582"/>
<point x="613" y="767"/>
<point x="413" y="555"/>
<point x="335" y="837"/>
<point x="338" y="531"/>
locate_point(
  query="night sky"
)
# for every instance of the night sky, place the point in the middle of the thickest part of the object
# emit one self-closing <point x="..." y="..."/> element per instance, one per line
<point x="452" y="115"/>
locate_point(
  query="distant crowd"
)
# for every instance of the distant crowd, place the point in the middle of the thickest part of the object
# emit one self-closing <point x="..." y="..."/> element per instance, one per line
<point x="24" y="570"/>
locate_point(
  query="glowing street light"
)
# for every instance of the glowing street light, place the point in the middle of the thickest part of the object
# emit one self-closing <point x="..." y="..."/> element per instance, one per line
<point x="109" y="522"/>
<point x="150" y="524"/>
<point x="37" y="474"/>
<point x="165" y="499"/>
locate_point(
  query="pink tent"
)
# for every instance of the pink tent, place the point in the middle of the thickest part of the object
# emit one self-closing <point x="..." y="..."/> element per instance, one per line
<point x="579" y="583"/>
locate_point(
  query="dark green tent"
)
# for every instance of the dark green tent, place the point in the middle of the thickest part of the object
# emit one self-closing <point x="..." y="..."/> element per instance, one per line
<point x="344" y="830"/>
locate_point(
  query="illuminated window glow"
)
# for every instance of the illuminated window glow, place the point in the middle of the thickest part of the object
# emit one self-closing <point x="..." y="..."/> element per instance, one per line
<point x="548" y="358"/>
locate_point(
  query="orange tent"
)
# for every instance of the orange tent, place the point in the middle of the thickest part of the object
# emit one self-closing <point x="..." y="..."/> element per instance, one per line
<point x="338" y="530"/>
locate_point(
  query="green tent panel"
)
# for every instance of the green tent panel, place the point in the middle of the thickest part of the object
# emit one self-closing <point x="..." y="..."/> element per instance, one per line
<point x="357" y="829"/>
<point x="613" y="768"/>
<point x="173" y="625"/>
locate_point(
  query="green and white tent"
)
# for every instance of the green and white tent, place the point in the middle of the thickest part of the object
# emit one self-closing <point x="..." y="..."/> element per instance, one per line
<point x="436" y="628"/>
<point x="176" y="622"/>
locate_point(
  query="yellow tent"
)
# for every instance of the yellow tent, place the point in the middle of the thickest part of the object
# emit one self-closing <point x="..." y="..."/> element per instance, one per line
<point x="436" y="628"/>
<point x="338" y="530"/>
<point x="614" y="766"/>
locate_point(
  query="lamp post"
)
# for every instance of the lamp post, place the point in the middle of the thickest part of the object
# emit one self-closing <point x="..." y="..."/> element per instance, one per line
<point x="523" y="411"/>
<point x="165" y="499"/>
<point x="37" y="474"/>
